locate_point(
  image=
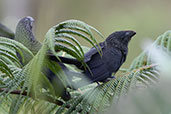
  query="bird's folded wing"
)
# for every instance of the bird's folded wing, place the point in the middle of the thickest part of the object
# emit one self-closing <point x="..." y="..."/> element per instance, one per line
<point x="98" y="72"/>
<point x="93" y="51"/>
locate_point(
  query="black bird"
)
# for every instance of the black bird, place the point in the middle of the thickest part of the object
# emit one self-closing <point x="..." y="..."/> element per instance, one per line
<point x="101" y="67"/>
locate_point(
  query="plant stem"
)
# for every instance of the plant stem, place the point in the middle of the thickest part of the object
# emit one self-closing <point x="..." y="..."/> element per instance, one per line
<point x="24" y="93"/>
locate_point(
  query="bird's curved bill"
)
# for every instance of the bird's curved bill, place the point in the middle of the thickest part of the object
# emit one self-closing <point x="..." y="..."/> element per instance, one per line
<point x="130" y="33"/>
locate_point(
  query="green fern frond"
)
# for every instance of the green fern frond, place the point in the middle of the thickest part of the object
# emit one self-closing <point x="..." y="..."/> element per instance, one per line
<point x="36" y="94"/>
<point x="5" y="69"/>
<point x="10" y="47"/>
<point x="75" y="27"/>
<point x="163" y="42"/>
<point x="32" y="71"/>
<point x="70" y="37"/>
<point x="66" y="42"/>
<point x="6" y="32"/>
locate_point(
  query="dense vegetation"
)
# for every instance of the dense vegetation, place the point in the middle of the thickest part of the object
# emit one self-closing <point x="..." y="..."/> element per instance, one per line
<point x="24" y="89"/>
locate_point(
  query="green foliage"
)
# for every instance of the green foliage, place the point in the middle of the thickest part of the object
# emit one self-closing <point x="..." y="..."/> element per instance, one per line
<point x="5" y="32"/>
<point x="25" y="89"/>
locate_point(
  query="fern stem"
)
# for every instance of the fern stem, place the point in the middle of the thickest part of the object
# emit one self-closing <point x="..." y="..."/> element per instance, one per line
<point x="24" y="93"/>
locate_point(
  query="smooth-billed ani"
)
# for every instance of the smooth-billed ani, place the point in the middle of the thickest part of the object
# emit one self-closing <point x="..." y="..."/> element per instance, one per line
<point x="100" y="67"/>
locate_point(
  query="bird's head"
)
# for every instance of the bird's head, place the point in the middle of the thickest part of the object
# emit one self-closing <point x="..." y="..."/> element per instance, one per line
<point x="120" y="39"/>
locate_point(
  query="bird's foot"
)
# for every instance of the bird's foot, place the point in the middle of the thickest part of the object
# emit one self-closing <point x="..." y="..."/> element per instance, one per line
<point x="98" y="83"/>
<point x="108" y="79"/>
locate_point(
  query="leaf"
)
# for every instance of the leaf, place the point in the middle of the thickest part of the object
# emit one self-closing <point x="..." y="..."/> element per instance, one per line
<point x="6" y="32"/>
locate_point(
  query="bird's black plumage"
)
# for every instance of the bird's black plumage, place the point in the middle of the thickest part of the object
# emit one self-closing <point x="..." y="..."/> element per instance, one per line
<point x="100" y="67"/>
<point x="114" y="52"/>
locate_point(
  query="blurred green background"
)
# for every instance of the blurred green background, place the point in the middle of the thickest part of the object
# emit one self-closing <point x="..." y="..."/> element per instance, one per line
<point x="149" y="18"/>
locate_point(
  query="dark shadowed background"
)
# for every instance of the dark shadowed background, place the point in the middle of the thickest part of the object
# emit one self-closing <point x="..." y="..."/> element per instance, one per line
<point x="149" y="18"/>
